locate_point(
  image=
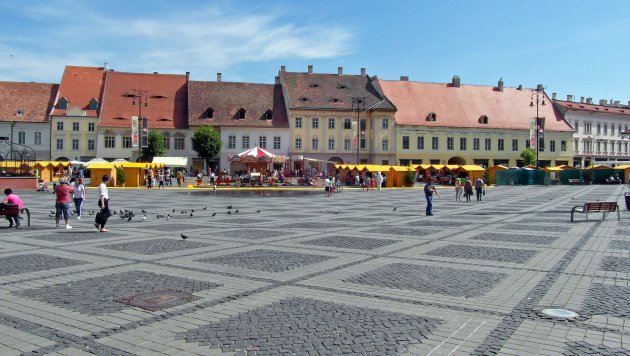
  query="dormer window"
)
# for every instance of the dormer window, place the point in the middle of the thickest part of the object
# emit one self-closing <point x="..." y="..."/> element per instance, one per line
<point x="268" y="115"/>
<point x="314" y="85"/>
<point x="19" y="113"/>
<point x="241" y="113"/>
<point x="303" y="99"/>
<point x="343" y="86"/>
<point x="432" y="116"/>
<point x="63" y="103"/>
<point x="209" y="113"/>
<point x="159" y="96"/>
<point x="93" y="104"/>
<point x="483" y="119"/>
<point x="335" y="100"/>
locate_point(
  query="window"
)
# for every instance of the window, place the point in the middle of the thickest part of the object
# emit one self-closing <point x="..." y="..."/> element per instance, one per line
<point x="347" y="145"/>
<point x="331" y="144"/>
<point x="363" y="126"/>
<point x="552" y="146"/>
<point x="363" y="142"/>
<point x="599" y="147"/>
<point x="435" y="143"/>
<point x="599" y="128"/>
<point x="385" y="144"/>
<point x="91" y="145"/>
<point x="612" y="130"/>
<point x="501" y="144"/>
<point x="241" y="113"/>
<point x="126" y="141"/>
<point x="75" y="144"/>
<point x="331" y="123"/>
<point x="91" y="127"/>
<point x="619" y="129"/>
<point x="298" y="122"/>
<point x="618" y="147"/>
<point x="432" y="116"/>
<point x="450" y="143"/>
<point x="63" y="104"/>
<point x="527" y="143"/>
<point x="60" y="144"/>
<point x="483" y="119"/>
<point x="488" y="144"/>
<point x="262" y="141"/>
<point x="420" y="143"/>
<point x="298" y="143"/>
<point x="563" y="146"/>
<point x="514" y="145"/>
<point x="605" y="129"/>
<point x="385" y="123"/>
<point x="315" y="144"/>
<point x="587" y="146"/>
<point x="276" y="142"/>
<point x="210" y="113"/>
<point x="576" y="125"/>
<point x="38" y="138"/>
<point x="315" y="123"/>
<point x="347" y="124"/>
<point x="110" y="141"/>
<point x="75" y="126"/>
<point x="21" y="137"/>
<point x="476" y="144"/>
<point x="167" y="143"/>
<point x="576" y="145"/>
<point x="405" y="142"/>
<point x="179" y="143"/>
<point x="462" y="143"/>
<point x="231" y="142"/>
<point x="245" y="143"/>
<point x="93" y="104"/>
<point x="59" y="125"/>
<point x="588" y="127"/>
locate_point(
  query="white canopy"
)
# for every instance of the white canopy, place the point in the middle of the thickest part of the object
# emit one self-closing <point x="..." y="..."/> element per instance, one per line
<point x="96" y="160"/>
<point x="172" y="161"/>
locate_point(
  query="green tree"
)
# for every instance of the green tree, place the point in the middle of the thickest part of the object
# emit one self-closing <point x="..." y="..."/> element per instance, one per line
<point x="529" y="156"/>
<point x="207" y="143"/>
<point x="155" y="146"/>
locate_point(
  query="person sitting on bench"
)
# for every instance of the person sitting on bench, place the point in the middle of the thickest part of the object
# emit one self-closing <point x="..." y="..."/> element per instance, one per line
<point x="12" y="199"/>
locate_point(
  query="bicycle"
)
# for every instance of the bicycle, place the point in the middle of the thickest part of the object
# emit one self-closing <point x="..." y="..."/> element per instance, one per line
<point x="338" y="187"/>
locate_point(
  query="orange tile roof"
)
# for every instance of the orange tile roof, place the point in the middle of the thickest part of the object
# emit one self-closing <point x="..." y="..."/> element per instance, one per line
<point x="569" y="105"/>
<point x="26" y="102"/>
<point x="79" y="85"/>
<point x="464" y="106"/>
<point x="166" y="100"/>
<point x="227" y="98"/>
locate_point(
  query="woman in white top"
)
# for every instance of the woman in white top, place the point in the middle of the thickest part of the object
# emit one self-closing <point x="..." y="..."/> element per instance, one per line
<point x="103" y="203"/>
<point x="79" y="196"/>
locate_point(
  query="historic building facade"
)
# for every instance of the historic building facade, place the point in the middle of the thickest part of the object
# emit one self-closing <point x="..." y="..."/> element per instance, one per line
<point x="597" y="138"/>
<point x="454" y="123"/>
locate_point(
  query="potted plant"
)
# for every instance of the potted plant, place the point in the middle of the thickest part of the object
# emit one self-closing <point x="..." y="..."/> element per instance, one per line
<point x="409" y="177"/>
<point x="121" y="178"/>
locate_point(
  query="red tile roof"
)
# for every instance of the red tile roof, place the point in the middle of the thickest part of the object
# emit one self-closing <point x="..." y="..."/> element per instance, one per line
<point x="26" y="102"/>
<point x="79" y="85"/>
<point x="331" y="91"/>
<point x="166" y="100"/>
<point x="464" y="106"/>
<point x="569" y="105"/>
<point x="227" y="98"/>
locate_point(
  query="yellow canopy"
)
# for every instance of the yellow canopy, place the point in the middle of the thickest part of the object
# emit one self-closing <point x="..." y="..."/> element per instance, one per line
<point x="623" y="166"/>
<point x="423" y="166"/>
<point x="452" y="166"/>
<point x="401" y="168"/>
<point x="599" y="166"/>
<point x="437" y="166"/>
<point x="101" y="165"/>
<point x="553" y="169"/>
<point x="472" y="168"/>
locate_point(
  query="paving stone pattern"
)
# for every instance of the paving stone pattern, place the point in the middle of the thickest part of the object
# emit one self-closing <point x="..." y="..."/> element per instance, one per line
<point x="94" y="296"/>
<point x="430" y="279"/>
<point x="34" y="262"/>
<point x="309" y="326"/>
<point x="266" y="260"/>
<point x="363" y="298"/>
<point x="497" y="254"/>
<point x="351" y="242"/>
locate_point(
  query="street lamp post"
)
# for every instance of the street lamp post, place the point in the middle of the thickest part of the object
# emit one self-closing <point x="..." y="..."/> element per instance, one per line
<point x="358" y="105"/>
<point x="142" y="96"/>
<point x="539" y="94"/>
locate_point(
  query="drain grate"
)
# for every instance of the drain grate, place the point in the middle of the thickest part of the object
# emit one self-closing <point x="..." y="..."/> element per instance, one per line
<point x="157" y="299"/>
<point x="560" y="313"/>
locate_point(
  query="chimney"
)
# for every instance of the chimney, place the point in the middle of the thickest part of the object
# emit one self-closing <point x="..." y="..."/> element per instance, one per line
<point x="310" y="69"/>
<point x="589" y="100"/>
<point x="553" y="96"/>
<point x="339" y="71"/>
<point x="581" y="100"/>
<point x="602" y="102"/>
<point x="277" y="79"/>
<point x="187" y="76"/>
<point x="219" y="77"/>
<point x="520" y="87"/>
<point x="500" y="84"/>
<point x="569" y="97"/>
<point x="456" y="81"/>
<point x="363" y="72"/>
<point x="616" y="103"/>
<point x="539" y="87"/>
<point x="106" y="66"/>
<point x="155" y="72"/>
<point x="283" y="68"/>
<point x="404" y="78"/>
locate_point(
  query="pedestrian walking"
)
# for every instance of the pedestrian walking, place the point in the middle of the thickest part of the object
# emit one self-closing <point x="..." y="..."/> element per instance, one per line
<point x="429" y="189"/>
<point x="78" y="196"/>
<point x="468" y="189"/>
<point x="368" y="183"/>
<point x="379" y="180"/>
<point x="161" y="180"/>
<point x="62" y="201"/>
<point x="458" y="190"/>
<point x="479" y="188"/>
<point x="103" y="203"/>
<point x="327" y="186"/>
<point x="12" y="198"/>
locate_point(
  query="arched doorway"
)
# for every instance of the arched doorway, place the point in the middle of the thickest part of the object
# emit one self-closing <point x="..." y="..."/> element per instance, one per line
<point x="457" y="161"/>
<point x="331" y="166"/>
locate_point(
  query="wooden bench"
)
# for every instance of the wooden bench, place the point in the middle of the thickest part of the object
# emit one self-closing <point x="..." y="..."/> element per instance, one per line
<point x="574" y="181"/>
<point x="14" y="211"/>
<point x="596" y="207"/>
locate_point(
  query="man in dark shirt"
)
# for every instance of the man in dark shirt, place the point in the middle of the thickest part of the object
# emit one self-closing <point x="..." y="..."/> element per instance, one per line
<point x="429" y="189"/>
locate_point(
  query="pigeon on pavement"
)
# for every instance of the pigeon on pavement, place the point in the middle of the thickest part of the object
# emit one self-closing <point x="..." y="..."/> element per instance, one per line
<point x="184" y="237"/>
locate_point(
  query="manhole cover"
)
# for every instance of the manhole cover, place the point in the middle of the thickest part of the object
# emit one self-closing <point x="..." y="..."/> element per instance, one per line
<point x="157" y="299"/>
<point x="560" y="313"/>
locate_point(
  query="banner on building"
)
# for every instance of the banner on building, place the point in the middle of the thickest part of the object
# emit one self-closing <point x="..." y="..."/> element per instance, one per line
<point x="532" y="133"/>
<point x="355" y="132"/>
<point x="135" y="138"/>
<point x="144" y="135"/>
<point x="541" y="133"/>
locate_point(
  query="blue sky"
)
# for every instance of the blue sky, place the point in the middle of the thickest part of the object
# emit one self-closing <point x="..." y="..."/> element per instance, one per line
<point x="572" y="47"/>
